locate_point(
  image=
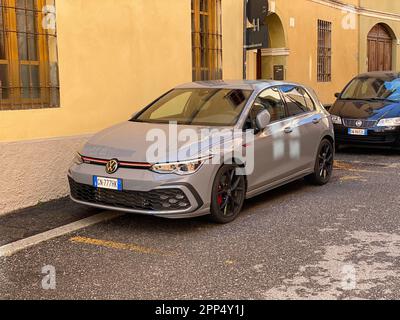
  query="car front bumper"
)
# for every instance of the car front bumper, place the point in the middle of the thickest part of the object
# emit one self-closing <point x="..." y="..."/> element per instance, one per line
<point x="144" y="192"/>
<point x="378" y="136"/>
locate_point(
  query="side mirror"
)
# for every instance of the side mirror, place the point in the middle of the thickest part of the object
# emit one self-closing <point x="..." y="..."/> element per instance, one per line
<point x="263" y="120"/>
<point x="337" y="95"/>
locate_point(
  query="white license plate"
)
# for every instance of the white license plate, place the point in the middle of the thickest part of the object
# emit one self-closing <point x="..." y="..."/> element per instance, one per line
<point x="358" y="132"/>
<point x="107" y="183"/>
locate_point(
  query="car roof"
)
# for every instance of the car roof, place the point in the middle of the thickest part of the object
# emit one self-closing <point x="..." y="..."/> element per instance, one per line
<point x="234" y="84"/>
<point x="379" y="74"/>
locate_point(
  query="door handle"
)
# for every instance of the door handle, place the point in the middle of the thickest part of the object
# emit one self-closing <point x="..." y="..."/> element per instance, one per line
<point x="288" y="130"/>
<point x="316" y="120"/>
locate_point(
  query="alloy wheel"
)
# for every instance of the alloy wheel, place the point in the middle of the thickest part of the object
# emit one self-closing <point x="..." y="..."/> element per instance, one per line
<point x="325" y="157"/>
<point x="230" y="193"/>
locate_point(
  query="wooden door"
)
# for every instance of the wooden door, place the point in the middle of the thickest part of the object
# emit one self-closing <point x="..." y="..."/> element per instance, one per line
<point x="380" y="48"/>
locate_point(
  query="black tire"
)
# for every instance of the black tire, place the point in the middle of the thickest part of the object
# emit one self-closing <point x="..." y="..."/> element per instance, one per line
<point x="228" y="195"/>
<point x="323" y="164"/>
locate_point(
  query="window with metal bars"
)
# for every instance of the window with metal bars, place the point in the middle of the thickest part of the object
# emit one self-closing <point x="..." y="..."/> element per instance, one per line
<point x="28" y="55"/>
<point x="324" y="51"/>
<point x="206" y="40"/>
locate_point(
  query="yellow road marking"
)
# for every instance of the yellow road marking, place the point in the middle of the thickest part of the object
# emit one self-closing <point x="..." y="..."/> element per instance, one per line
<point x="118" y="245"/>
<point x="342" y="165"/>
<point x="339" y="165"/>
<point x="352" y="178"/>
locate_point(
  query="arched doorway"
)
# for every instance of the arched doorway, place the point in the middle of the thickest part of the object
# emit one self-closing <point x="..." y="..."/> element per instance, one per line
<point x="269" y="63"/>
<point x="273" y="60"/>
<point x="380" y="48"/>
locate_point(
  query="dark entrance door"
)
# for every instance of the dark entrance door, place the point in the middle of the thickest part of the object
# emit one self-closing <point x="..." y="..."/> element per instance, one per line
<point x="380" y="49"/>
<point x="259" y="64"/>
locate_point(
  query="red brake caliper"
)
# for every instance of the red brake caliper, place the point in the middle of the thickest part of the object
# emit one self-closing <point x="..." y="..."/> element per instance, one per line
<point x="220" y="199"/>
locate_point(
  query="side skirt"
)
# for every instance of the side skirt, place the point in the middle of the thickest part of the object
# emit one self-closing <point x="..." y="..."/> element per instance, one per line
<point x="277" y="184"/>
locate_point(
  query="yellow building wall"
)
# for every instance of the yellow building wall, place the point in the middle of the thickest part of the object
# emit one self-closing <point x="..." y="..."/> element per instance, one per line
<point x="115" y="57"/>
<point x="302" y="61"/>
<point x="232" y="39"/>
<point x="391" y="6"/>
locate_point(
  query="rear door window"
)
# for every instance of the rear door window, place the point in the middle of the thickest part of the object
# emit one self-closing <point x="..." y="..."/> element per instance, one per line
<point x="298" y="101"/>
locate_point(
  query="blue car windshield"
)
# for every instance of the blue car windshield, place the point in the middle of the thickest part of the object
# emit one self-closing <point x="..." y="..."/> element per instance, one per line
<point x="203" y="107"/>
<point x="371" y="88"/>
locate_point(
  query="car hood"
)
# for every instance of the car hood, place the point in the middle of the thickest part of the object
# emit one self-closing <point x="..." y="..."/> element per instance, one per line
<point x="357" y="109"/>
<point x="135" y="141"/>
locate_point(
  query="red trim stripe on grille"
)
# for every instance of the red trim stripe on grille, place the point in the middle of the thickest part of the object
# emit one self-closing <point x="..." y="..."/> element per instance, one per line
<point x="135" y="164"/>
<point x="93" y="160"/>
<point x="144" y="165"/>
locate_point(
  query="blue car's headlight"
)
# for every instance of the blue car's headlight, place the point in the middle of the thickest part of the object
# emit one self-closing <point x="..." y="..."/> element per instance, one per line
<point x="390" y="122"/>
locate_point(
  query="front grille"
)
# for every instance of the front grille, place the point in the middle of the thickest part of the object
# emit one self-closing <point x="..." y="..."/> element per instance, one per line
<point x="155" y="200"/>
<point x="121" y="164"/>
<point x="352" y="123"/>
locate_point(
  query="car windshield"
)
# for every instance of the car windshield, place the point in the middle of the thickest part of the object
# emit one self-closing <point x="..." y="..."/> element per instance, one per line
<point x="205" y="107"/>
<point x="370" y="88"/>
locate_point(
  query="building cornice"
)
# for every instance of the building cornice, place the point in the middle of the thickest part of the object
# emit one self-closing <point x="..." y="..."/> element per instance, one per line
<point x="358" y="10"/>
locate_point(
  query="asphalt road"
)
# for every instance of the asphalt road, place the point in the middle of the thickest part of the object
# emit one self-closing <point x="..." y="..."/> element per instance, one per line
<point x="341" y="241"/>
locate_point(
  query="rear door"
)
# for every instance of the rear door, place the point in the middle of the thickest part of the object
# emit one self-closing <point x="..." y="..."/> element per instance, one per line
<point x="303" y="133"/>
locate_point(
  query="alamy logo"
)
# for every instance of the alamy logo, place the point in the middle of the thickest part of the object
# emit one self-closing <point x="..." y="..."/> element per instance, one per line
<point x="219" y="146"/>
<point x="49" y="17"/>
<point x="349" y="20"/>
<point x="49" y="280"/>
<point x="349" y="280"/>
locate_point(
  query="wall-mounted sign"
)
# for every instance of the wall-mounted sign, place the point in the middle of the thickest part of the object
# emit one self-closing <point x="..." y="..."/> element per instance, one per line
<point x="257" y="9"/>
<point x="279" y="72"/>
<point x="257" y="39"/>
<point x="257" y="35"/>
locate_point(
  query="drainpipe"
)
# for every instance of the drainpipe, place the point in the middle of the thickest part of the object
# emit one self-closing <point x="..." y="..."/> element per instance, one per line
<point x="244" y="39"/>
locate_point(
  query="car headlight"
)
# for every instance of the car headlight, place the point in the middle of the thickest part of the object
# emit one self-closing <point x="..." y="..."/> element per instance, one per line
<point x="390" y="122"/>
<point x="336" y="119"/>
<point x="181" y="168"/>
<point x="77" y="159"/>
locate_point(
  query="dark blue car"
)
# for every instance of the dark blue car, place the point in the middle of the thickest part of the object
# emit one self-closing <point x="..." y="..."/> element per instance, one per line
<point x="367" y="112"/>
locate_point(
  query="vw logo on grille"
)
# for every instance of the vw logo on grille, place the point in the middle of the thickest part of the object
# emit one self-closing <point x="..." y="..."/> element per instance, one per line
<point x="112" y="166"/>
<point x="359" y="123"/>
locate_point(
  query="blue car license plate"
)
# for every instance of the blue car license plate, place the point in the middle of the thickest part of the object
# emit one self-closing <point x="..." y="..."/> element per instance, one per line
<point x="358" y="132"/>
<point x="107" y="183"/>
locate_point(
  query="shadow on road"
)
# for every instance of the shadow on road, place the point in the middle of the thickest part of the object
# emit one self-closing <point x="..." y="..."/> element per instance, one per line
<point x="368" y="151"/>
<point x="149" y="224"/>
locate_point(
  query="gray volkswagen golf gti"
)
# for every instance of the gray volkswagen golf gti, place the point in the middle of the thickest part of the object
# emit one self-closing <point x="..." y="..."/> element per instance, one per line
<point x="255" y="136"/>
